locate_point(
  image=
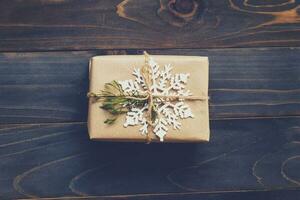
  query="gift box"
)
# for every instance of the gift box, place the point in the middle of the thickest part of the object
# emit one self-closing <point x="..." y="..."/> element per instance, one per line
<point x="155" y="98"/>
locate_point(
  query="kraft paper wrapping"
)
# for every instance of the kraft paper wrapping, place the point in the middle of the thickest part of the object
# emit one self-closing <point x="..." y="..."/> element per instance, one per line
<point x="104" y="69"/>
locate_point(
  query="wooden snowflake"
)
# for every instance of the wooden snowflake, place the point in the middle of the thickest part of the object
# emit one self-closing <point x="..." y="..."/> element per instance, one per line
<point x="164" y="83"/>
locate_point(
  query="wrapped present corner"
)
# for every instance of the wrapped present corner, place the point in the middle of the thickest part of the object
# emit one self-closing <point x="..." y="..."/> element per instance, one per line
<point x="148" y="98"/>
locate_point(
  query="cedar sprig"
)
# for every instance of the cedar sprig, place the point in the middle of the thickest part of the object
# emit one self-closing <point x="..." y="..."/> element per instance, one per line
<point x="116" y="102"/>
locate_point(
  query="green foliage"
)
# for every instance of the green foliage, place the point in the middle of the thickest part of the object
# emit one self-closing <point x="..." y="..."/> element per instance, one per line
<point x="110" y="121"/>
<point x="116" y="102"/>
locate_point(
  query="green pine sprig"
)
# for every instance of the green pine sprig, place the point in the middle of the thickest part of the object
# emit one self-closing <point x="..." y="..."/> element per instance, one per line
<point x="116" y="102"/>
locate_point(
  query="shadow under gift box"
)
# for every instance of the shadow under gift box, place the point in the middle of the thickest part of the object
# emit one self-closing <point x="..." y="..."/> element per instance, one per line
<point x="105" y="69"/>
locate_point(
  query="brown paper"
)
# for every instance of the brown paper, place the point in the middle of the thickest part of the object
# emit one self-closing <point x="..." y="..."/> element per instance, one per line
<point x="104" y="69"/>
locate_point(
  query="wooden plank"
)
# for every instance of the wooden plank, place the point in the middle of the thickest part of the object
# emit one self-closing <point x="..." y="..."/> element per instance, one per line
<point x="233" y="195"/>
<point x="52" y="87"/>
<point x="58" y="159"/>
<point x="75" y="24"/>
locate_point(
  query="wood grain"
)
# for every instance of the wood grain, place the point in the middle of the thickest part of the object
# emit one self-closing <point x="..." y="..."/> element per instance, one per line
<point x="81" y="25"/>
<point x="58" y="160"/>
<point x="244" y="83"/>
<point x="254" y="151"/>
<point x="245" y="195"/>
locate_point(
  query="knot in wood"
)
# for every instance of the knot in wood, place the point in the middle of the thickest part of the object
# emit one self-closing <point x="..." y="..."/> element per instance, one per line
<point x="180" y="12"/>
<point x="183" y="7"/>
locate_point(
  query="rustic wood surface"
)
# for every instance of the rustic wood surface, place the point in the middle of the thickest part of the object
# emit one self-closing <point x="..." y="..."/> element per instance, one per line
<point x="58" y="159"/>
<point x="76" y="24"/>
<point x="254" y="151"/>
<point x="52" y="87"/>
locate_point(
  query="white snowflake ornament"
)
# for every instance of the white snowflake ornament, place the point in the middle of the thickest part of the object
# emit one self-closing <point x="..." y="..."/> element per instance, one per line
<point x="161" y="128"/>
<point x="134" y="117"/>
<point x="163" y="84"/>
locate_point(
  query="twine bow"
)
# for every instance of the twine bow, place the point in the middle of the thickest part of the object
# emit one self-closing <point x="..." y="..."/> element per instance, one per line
<point x="149" y="96"/>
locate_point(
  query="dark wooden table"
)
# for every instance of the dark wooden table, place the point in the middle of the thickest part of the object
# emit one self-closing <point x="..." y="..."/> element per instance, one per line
<point x="253" y="47"/>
